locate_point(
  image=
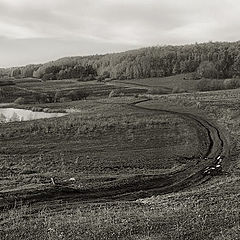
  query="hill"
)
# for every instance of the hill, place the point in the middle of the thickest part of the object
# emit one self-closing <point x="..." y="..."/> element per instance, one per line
<point x="209" y="60"/>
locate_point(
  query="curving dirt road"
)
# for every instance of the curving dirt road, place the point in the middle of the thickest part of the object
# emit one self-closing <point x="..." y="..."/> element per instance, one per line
<point x="143" y="186"/>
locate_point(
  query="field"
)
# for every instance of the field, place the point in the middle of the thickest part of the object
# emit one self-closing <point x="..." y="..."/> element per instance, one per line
<point x="29" y="89"/>
<point x="100" y="172"/>
<point x="165" y="85"/>
<point x="106" y="138"/>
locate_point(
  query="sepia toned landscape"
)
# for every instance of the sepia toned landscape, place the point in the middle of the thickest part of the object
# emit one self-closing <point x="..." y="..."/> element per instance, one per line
<point x="128" y="142"/>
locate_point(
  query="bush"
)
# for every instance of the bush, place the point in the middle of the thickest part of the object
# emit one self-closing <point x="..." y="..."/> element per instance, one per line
<point x="157" y="90"/>
<point x="207" y="70"/>
<point x="49" y="76"/>
<point x="90" y="77"/>
<point x="75" y="95"/>
<point x="20" y="100"/>
<point x="178" y="90"/>
<point x="210" y="85"/>
<point x="58" y="95"/>
<point x="44" y="98"/>
<point x="214" y="84"/>
<point x="194" y="76"/>
<point x="231" y="83"/>
<point x="64" y="99"/>
<point x="6" y="83"/>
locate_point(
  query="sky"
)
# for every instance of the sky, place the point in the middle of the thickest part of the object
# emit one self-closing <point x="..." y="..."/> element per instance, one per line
<point x="39" y="31"/>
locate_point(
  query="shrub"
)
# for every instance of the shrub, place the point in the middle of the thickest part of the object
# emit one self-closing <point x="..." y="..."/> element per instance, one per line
<point x="64" y="99"/>
<point x="58" y="95"/>
<point x="44" y="98"/>
<point x="210" y="85"/>
<point x="207" y="70"/>
<point x="77" y="95"/>
<point x="217" y="84"/>
<point x="6" y="83"/>
<point x="49" y="76"/>
<point x="231" y="83"/>
<point x="155" y="91"/>
<point x="178" y="90"/>
<point x="20" y="100"/>
<point x="195" y="76"/>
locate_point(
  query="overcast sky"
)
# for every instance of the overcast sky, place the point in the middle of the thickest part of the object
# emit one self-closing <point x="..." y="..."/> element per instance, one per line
<point x="38" y="31"/>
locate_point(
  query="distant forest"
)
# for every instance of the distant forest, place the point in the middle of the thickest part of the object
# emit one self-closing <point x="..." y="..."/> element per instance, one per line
<point x="216" y="60"/>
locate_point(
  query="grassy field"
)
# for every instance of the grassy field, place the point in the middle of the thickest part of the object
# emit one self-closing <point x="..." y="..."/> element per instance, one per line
<point x="208" y="212"/>
<point x="107" y="142"/>
<point x="105" y="138"/>
<point x="30" y="88"/>
<point x="165" y="84"/>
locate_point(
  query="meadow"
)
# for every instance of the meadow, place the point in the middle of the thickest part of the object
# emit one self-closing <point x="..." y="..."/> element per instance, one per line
<point x="162" y="85"/>
<point x="101" y="138"/>
<point x="30" y="89"/>
<point x="106" y="142"/>
<point x="207" y="212"/>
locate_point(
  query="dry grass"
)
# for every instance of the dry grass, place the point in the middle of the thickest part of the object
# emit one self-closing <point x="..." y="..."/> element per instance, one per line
<point x="210" y="212"/>
<point x="180" y="81"/>
<point x="100" y="140"/>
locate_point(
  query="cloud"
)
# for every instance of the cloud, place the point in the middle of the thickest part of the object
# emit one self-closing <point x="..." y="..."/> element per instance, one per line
<point x="16" y="52"/>
<point x="117" y="22"/>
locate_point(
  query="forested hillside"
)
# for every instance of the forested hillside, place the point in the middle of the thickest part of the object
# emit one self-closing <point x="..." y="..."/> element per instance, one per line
<point x="209" y="60"/>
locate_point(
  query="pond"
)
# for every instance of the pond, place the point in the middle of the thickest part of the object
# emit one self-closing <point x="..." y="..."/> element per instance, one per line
<point x="16" y="115"/>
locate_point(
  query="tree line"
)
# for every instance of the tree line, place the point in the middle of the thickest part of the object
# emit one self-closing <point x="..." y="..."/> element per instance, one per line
<point x="218" y="60"/>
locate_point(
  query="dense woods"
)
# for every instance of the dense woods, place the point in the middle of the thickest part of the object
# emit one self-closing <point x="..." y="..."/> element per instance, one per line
<point x="219" y="60"/>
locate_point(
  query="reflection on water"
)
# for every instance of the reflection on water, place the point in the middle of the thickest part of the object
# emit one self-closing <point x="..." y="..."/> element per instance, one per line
<point x="15" y="115"/>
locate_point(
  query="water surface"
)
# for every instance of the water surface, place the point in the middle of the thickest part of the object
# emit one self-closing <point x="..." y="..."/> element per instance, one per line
<point x="15" y="115"/>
